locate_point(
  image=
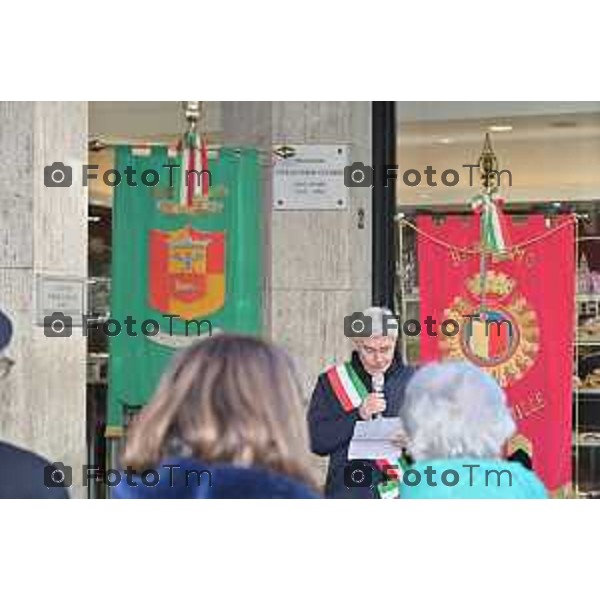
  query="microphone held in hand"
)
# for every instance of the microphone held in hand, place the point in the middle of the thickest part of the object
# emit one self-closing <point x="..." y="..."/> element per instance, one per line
<point x="377" y="383"/>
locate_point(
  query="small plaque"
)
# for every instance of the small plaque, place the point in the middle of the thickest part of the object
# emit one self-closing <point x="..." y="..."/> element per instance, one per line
<point x="310" y="177"/>
<point x="56" y="294"/>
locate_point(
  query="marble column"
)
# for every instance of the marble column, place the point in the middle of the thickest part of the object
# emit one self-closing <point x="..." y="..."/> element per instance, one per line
<point x="43" y="232"/>
<point x="317" y="263"/>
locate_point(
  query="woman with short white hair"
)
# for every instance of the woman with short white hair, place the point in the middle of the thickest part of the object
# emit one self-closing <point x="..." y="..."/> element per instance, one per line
<point x="457" y="422"/>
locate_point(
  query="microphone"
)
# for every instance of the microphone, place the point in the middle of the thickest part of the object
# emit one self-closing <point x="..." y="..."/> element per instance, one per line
<point x="377" y="382"/>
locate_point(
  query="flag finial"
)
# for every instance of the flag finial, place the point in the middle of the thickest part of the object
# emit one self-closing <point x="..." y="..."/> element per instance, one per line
<point x="488" y="166"/>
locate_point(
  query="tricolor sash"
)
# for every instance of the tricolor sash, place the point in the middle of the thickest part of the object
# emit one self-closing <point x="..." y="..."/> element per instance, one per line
<point x="350" y="392"/>
<point x="347" y="386"/>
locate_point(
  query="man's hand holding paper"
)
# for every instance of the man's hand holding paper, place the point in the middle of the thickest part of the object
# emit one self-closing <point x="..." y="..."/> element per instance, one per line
<point x="381" y="438"/>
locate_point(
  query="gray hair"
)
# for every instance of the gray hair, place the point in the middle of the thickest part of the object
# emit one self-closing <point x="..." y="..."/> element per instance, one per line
<point x="381" y="324"/>
<point x="455" y="409"/>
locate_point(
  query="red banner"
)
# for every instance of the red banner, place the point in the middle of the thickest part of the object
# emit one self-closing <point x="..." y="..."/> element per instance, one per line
<point x="522" y="330"/>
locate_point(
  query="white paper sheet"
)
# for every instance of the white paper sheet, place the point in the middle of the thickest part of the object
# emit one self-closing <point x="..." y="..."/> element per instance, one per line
<point x="373" y="439"/>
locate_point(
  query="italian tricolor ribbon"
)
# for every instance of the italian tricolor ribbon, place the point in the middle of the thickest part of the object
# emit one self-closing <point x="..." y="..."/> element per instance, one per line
<point x="347" y="386"/>
<point x="493" y="236"/>
<point x="194" y="161"/>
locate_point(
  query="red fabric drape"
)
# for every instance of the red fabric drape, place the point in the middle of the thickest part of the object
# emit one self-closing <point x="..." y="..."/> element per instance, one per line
<point x="533" y="290"/>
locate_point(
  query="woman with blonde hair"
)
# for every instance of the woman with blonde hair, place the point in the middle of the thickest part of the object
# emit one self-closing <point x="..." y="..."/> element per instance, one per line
<point x="225" y="422"/>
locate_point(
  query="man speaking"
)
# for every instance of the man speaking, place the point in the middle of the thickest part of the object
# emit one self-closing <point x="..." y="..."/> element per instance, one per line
<point x="371" y="383"/>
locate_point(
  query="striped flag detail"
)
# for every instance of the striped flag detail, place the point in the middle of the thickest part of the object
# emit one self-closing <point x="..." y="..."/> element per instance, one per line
<point x="347" y="386"/>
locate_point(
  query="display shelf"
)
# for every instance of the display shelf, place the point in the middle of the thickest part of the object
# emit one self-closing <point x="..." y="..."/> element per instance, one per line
<point x="586" y="442"/>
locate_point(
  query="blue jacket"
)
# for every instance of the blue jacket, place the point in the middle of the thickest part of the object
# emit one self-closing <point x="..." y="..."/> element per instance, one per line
<point x="492" y="479"/>
<point x="331" y="428"/>
<point x="24" y="474"/>
<point x="189" y="478"/>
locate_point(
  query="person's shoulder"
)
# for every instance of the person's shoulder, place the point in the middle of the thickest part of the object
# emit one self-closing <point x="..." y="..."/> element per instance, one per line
<point x="22" y="474"/>
<point x="190" y="478"/>
<point x="257" y="483"/>
<point x="19" y="456"/>
<point x="527" y="483"/>
<point x="474" y="478"/>
<point x="403" y="372"/>
<point x="332" y="367"/>
<point x="350" y="364"/>
<point x="409" y="369"/>
<point x="324" y="377"/>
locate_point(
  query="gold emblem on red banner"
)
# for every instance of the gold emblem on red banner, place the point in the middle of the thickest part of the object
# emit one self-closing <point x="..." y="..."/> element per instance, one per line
<point x="504" y="340"/>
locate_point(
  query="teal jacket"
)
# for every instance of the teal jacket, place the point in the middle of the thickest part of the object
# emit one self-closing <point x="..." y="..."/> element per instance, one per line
<point x="494" y="479"/>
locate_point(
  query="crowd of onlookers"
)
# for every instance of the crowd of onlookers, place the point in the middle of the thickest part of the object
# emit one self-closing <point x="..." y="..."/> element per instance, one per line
<point x="228" y="421"/>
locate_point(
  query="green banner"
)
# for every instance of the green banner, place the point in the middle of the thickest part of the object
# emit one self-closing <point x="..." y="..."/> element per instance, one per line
<point x="200" y="261"/>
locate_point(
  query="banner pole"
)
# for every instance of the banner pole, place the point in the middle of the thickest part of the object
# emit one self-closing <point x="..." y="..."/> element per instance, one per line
<point x="575" y="275"/>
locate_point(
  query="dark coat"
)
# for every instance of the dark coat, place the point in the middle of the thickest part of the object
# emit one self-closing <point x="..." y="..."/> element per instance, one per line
<point x="331" y="428"/>
<point x="189" y="478"/>
<point x="22" y="475"/>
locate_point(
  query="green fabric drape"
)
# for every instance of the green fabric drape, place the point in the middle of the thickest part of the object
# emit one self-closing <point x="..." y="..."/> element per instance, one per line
<point x="136" y="363"/>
